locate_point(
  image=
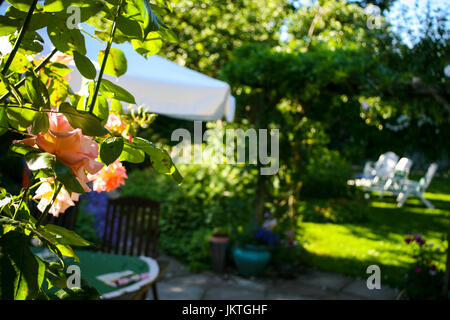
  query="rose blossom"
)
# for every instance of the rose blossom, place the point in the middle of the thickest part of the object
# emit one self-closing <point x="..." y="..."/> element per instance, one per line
<point x="63" y="200"/>
<point x="71" y="147"/>
<point x="115" y="124"/>
<point x="109" y="178"/>
<point x="61" y="58"/>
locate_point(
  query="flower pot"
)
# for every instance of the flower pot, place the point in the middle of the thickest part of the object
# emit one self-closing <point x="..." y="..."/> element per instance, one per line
<point x="218" y="244"/>
<point x="251" y="260"/>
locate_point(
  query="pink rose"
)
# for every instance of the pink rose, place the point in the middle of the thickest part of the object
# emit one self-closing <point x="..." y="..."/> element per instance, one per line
<point x="109" y="178"/>
<point x="71" y="147"/>
<point x="63" y="200"/>
<point x="61" y="58"/>
<point x="115" y="124"/>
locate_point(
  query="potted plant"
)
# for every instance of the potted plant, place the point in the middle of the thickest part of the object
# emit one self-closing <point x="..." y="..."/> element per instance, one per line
<point x="252" y="251"/>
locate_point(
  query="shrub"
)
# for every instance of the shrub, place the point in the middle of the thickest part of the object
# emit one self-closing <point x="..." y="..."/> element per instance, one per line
<point x="333" y="210"/>
<point x="211" y="197"/>
<point x="326" y="175"/>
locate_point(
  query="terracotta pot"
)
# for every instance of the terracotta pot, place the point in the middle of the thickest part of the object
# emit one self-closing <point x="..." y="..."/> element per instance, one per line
<point x="219" y="245"/>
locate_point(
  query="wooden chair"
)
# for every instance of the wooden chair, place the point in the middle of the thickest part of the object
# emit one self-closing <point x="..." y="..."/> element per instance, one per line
<point x="131" y="228"/>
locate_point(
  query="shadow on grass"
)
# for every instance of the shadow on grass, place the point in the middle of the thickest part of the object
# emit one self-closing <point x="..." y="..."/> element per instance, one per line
<point x="393" y="276"/>
<point x="382" y="234"/>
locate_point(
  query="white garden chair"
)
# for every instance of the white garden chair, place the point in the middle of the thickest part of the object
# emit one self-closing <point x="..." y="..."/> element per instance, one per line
<point x="417" y="188"/>
<point x="401" y="171"/>
<point x="376" y="174"/>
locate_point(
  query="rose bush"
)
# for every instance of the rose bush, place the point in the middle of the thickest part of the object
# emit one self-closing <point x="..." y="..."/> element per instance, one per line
<point x="70" y="140"/>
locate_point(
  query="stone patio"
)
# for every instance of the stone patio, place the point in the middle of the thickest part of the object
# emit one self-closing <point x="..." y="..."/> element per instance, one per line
<point x="178" y="284"/>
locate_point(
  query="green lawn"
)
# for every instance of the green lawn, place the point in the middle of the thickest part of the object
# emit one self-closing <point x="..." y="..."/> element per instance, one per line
<point x="351" y="248"/>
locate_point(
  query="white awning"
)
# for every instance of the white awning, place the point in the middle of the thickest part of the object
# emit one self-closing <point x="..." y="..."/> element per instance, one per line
<point x="164" y="87"/>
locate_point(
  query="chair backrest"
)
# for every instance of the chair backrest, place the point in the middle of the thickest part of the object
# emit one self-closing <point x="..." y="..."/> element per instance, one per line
<point x="131" y="226"/>
<point x="403" y="167"/>
<point x="430" y="174"/>
<point x="385" y="164"/>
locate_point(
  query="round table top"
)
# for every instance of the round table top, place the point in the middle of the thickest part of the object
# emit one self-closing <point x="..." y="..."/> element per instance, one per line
<point x="93" y="265"/>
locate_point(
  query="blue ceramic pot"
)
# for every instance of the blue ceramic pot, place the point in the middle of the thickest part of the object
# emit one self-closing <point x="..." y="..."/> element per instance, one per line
<point x="251" y="260"/>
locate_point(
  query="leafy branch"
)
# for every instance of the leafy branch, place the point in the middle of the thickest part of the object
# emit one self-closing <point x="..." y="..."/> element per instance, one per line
<point x="38" y="67"/>
<point x="108" y="48"/>
<point x="20" y="37"/>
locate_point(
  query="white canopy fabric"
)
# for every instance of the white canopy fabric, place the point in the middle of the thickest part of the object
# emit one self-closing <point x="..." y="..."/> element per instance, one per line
<point x="164" y="87"/>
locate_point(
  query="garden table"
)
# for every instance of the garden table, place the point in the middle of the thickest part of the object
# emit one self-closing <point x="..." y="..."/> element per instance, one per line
<point x="94" y="264"/>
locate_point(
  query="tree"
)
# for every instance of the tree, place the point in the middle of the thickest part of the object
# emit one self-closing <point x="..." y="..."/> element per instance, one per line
<point x="209" y="30"/>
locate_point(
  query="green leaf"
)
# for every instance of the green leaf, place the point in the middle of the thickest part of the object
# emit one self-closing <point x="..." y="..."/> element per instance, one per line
<point x="110" y="149"/>
<point x="84" y="65"/>
<point x="65" y="175"/>
<point x="40" y="160"/>
<point x="88" y="123"/>
<point x="116" y="106"/>
<point x="37" y="92"/>
<point x="20" y="63"/>
<point x="159" y="158"/>
<point x="38" y="21"/>
<point x="148" y="47"/>
<point x="32" y="43"/>
<point x="58" y="69"/>
<point x="116" y="64"/>
<point x="66" y="40"/>
<point x="22" y="5"/>
<point x="54" y="5"/>
<point x="67" y="251"/>
<point x="148" y="18"/>
<point x="7" y="26"/>
<point x="66" y="237"/>
<point x="110" y="90"/>
<point x="20" y="118"/>
<point x="21" y="272"/>
<point x="129" y="27"/>
<point x="3" y="121"/>
<point x="21" y="149"/>
<point x="131" y="153"/>
<point x="40" y="123"/>
<point x="101" y="109"/>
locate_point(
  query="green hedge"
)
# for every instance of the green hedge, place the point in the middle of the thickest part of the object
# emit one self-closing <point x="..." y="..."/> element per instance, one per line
<point x="211" y="198"/>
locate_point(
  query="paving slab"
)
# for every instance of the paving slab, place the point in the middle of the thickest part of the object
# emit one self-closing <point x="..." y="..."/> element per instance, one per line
<point x="324" y="280"/>
<point x="296" y="290"/>
<point x="175" y="291"/>
<point x="232" y="292"/>
<point x="282" y="296"/>
<point x="174" y="269"/>
<point x="192" y="279"/>
<point x="359" y="288"/>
